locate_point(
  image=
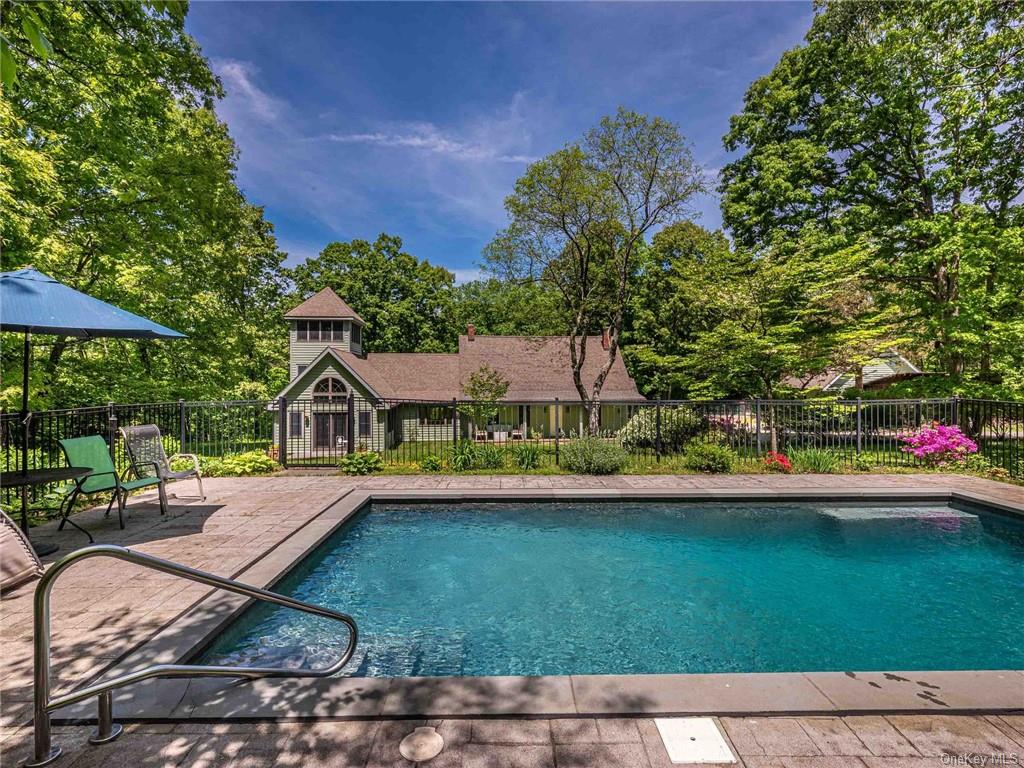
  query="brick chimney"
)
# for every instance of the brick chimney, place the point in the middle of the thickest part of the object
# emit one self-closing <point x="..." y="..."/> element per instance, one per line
<point x="470" y="332"/>
<point x="606" y="339"/>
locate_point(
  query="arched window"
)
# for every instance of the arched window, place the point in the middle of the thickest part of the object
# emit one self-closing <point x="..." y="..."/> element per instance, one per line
<point x="330" y="390"/>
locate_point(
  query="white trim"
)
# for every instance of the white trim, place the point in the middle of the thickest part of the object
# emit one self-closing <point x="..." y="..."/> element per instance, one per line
<point x="345" y="366"/>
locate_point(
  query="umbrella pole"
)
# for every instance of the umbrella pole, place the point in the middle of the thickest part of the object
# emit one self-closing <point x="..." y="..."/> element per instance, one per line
<point x="25" y="362"/>
<point x="26" y="358"/>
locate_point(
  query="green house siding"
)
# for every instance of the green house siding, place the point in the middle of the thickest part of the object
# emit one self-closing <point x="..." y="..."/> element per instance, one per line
<point x="305" y="352"/>
<point x="322" y="423"/>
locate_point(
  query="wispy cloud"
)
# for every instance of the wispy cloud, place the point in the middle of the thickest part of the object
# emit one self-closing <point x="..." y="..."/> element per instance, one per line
<point x="239" y="77"/>
<point x="427" y="137"/>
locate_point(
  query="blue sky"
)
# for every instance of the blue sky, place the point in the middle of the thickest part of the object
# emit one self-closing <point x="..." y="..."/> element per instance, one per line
<point x="416" y="119"/>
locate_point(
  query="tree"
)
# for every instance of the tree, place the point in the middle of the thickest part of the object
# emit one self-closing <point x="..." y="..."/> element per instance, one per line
<point x="669" y="308"/>
<point x="508" y="308"/>
<point x="895" y="138"/>
<point x="577" y="222"/>
<point x="405" y="301"/>
<point x="120" y="181"/>
<point x="485" y="388"/>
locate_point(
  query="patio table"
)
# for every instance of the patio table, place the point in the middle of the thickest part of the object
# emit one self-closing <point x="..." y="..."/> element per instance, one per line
<point x="33" y="478"/>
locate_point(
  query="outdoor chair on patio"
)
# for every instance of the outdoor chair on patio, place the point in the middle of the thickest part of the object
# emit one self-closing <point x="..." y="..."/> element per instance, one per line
<point x="146" y="453"/>
<point x="92" y="452"/>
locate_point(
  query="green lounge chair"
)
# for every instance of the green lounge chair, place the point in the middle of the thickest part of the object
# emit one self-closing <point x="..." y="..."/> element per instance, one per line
<point x="92" y="452"/>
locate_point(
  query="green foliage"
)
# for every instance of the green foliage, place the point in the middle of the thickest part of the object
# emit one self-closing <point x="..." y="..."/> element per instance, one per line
<point x="578" y="218"/>
<point x="862" y="463"/>
<point x="812" y="418"/>
<point x="462" y="456"/>
<point x="490" y="456"/>
<point x="669" y="310"/>
<point x="119" y="179"/>
<point x="361" y="463"/>
<point x="814" y="460"/>
<point x="431" y="463"/>
<point x="234" y="465"/>
<point x="527" y="456"/>
<point x="485" y="388"/>
<point x="592" y="456"/>
<point x="678" y="425"/>
<point x="709" y="457"/>
<point x="885" y="150"/>
<point x="509" y="308"/>
<point x="407" y="302"/>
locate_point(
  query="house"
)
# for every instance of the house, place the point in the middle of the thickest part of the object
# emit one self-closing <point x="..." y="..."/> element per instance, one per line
<point x="885" y="369"/>
<point x="340" y="396"/>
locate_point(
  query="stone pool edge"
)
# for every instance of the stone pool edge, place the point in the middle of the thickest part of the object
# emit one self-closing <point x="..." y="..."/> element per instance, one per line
<point x="541" y="696"/>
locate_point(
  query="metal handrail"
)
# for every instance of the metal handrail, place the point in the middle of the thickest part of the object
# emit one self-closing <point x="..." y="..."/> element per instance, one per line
<point x="107" y="730"/>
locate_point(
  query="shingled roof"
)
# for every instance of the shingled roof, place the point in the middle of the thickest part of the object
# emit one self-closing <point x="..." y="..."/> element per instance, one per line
<point x="325" y="304"/>
<point x="536" y="367"/>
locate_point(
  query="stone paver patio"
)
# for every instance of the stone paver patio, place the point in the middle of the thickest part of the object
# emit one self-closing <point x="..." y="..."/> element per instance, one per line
<point x="103" y="609"/>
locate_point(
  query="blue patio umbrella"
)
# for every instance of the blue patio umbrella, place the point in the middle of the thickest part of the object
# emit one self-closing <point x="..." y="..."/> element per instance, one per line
<point x="31" y="302"/>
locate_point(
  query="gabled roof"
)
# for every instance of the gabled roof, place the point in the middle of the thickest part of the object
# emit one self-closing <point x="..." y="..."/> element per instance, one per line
<point x="325" y="304"/>
<point x="876" y="372"/>
<point x="536" y="367"/>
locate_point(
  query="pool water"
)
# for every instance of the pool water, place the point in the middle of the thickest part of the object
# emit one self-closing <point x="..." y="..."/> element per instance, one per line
<point x="652" y="587"/>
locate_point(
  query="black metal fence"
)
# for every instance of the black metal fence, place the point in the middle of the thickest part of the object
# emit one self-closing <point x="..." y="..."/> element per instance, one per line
<point x="459" y="435"/>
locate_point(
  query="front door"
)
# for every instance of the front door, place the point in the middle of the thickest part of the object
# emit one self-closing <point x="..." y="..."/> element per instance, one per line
<point x="329" y="432"/>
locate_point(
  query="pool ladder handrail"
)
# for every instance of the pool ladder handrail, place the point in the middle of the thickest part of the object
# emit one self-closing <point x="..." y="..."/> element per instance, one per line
<point x="107" y="729"/>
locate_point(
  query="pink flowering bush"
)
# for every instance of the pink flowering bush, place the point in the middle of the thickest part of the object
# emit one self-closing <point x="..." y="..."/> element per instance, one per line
<point x="938" y="444"/>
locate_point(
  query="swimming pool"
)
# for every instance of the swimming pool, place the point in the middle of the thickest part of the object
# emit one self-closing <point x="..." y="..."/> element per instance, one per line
<point x="484" y="588"/>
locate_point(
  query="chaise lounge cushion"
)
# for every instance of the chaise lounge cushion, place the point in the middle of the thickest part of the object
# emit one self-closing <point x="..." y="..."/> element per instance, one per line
<point x="18" y="561"/>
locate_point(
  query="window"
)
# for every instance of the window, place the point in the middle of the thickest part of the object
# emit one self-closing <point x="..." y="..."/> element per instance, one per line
<point x="295" y="424"/>
<point x="329" y="390"/>
<point x="357" y="334"/>
<point x="300" y="368"/>
<point x="433" y="415"/>
<point x="364" y="423"/>
<point x="320" y="330"/>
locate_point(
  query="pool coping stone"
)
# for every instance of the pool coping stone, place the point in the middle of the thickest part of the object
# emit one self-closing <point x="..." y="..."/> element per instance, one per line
<point x="826" y="693"/>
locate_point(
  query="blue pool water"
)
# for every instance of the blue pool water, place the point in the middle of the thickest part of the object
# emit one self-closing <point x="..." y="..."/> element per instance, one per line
<point x="646" y="587"/>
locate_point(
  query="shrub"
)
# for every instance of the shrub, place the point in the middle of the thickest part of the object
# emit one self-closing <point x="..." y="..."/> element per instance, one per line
<point x="709" y="457"/>
<point x="490" y="456"/>
<point x="814" y="460"/>
<point x="361" y="463"/>
<point x="232" y="465"/>
<point x="461" y="456"/>
<point x="862" y="463"/>
<point x="777" y="462"/>
<point x="977" y="464"/>
<point x="593" y="456"/>
<point x="430" y="463"/>
<point x="527" y="456"/>
<point x="938" y="444"/>
<point x="678" y="424"/>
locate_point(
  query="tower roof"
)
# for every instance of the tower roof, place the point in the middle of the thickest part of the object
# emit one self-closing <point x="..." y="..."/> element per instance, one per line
<point x="325" y="304"/>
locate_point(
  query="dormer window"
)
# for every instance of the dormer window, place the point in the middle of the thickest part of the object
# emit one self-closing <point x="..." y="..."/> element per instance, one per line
<point x="357" y="334"/>
<point x="320" y="330"/>
<point x="329" y="390"/>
